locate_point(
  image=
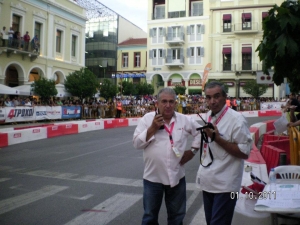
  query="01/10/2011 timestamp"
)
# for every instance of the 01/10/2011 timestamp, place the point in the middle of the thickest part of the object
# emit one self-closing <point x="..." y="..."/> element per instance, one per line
<point x="263" y="195"/>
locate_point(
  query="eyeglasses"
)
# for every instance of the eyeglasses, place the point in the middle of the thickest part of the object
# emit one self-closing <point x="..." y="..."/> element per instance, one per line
<point x="165" y="102"/>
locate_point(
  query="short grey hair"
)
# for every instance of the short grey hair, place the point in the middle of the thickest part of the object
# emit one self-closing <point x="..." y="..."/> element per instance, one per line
<point x="214" y="84"/>
<point x="166" y="90"/>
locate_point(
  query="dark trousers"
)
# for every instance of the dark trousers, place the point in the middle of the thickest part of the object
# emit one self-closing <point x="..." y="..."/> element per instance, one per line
<point x="175" y="199"/>
<point x="218" y="207"/>
<point x="118" y="113"/>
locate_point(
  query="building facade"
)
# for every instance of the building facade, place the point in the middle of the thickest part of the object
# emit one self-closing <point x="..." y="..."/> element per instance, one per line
<point x="133" y="64"/>
<point x="178" y="43"/>
<point x="236" y="32"/>
<point x="187" y="38"/>
<point x="59" y="27"/>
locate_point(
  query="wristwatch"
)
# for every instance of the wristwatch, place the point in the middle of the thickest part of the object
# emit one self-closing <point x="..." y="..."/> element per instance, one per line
<point x="194" y="150"/>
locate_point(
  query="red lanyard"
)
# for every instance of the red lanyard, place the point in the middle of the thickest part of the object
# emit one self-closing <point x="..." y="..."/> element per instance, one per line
<point x="220" y="117"/>
<point x="170" y="132"/>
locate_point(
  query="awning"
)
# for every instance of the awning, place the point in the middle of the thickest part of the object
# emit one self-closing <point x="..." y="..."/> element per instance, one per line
<point x="226" y="51"/>
<point x="246" y="16"/>
<point x="264" y="14"/>
<point x="226" y="16"/>
<point x="246" y="50"/>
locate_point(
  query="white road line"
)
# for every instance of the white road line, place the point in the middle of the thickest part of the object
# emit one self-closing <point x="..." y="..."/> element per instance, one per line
<point x="191" y="199"/>
<point x="199" y="218"/>
<point x="96" y="179"/>
<point x="4" y="179"/>
<point x="21" y="200"/>
<point x="88" y="153"/>
<point x="107" y="210"/>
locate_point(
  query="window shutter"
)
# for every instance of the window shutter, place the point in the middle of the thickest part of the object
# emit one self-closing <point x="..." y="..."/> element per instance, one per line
<point x="188" y="52"/>
<point x="181" y="54"/>
<point x="202" y="29"/>
<point x="169" y="33"/>
<point x="202" y="51"/>
<point x="196" y="7"/>
<point x="188" y="30"/>
<point x="169" y="55"/>
<point x="164" y="53"/>
<point x="164" y="31"/>
<point x="151" y="54"/>
<point x="151" y="33"/>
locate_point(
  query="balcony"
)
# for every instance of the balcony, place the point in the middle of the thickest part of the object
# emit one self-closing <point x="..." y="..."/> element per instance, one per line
<point x="228" y="67"/>
<point x="175" y="39"/>
<point x="246" y="68"/>
<point x="9" y="51"/>
<point x="177" y="14"/>
<point x="171" y="62"/>
<point x="245" y="28"/>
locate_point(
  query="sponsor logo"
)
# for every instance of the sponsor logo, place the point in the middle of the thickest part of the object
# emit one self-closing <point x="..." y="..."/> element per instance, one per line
<point x="36" y="131"/>
<point x="71" y="111"/>
<point x="69" y="126"/>
<point x="55" y="128"/>
<point x="41" y="113"/>
<point x="17" y="135"/>
<point x="20" y="113"/>
<point x="84" y="125"/>
<point x="97" y="123"/>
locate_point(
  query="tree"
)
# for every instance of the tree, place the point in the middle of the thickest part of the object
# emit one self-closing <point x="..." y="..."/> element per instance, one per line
<point x="128" y="88"/>
<point x="179" y="89"/>
<point x="44" y="88"/>
<point x="254" y="89"/>
<point x="82" y="83"/>
<point x="280" y="47"/>
<point x="144" y="89"/>
<point x="107" y="89"/>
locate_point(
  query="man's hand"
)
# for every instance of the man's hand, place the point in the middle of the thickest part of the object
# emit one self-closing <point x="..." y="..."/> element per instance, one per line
<point x="187" y="156"/>
<point x="209" y="132"/>
<point x="158" y="121"/>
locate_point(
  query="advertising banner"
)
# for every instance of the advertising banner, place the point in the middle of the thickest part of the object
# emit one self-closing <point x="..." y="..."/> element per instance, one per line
<point x="71" y="112"/>
<point x="48" y="112"/>
<point x="19" y="114"/>
<point x="271" y="105"/>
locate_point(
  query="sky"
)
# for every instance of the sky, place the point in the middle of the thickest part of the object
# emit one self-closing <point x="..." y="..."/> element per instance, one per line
<point x="134" y="11"/>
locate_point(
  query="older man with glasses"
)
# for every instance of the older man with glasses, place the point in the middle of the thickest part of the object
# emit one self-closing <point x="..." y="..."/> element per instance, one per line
<point x="162" y="135"/>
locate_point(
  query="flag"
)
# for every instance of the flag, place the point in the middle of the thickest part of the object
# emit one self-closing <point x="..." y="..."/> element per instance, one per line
<point x="205" y="75"/>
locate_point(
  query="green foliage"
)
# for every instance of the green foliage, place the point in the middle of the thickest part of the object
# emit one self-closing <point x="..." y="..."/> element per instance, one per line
<point x="144" y="89"/>
<point x="180" y="89"/>
<point x="254" y="89"/>
<point x="128" y="88"/>
<point x="82" y="83"/>
<point x="195" y="91"/>
<point x="280" y="47"/>
<point x="44" y="88"/>
<point x="107" y="89"/>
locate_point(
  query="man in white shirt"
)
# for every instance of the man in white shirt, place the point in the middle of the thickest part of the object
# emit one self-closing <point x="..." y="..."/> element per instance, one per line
<point x="222" y="161"/>
<point x="162" y="136"/>
<point x="3" y="36"/>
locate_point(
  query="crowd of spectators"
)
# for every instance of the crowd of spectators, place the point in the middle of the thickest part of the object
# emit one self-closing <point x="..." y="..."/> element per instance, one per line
<point x="14" y="39"/>
<point x="137" y="106"/>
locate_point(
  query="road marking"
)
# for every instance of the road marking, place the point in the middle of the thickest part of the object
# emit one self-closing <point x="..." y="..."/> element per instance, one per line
<point x="199" y="218"/>
<point x="4" y="179"/>
<point x="86" y="197"/>
<point x="191" y="199"/>
<point x="95" y="179"/>
<point x="88" y="153"/>
<point x="107" y="210"/>
<point x="21" y="200"/>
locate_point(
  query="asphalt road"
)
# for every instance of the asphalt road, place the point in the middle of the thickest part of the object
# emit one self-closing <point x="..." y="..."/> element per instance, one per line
<point x="89" y="178"/>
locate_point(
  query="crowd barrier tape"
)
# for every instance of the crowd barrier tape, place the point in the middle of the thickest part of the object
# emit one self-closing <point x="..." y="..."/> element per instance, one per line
<point x="25" y="135"/>
<point x="3" y="140"/>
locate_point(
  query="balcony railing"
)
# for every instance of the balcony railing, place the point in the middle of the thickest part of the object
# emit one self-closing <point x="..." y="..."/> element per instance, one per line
<point x="176" y="14"/>
<point x="170" y="62"/>
<point x="228" y="67"/>
<point x="32" y="55"/>
<point x="246" y="27"/>
<point x="173" y="38"/>
<point x="246" y="67"/>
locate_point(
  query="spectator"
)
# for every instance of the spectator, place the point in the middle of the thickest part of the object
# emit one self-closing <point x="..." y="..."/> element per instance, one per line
<point x="35" y="44"/>
<point x="3" y="36"/>
<point x="27" y="102"/>
<point x="10" y="37"/>
<point x="26" y="39"/>
<point x="8" y="102"/>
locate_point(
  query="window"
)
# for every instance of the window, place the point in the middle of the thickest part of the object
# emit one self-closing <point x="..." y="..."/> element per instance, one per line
<point x="161" y="32"/>
<point x="197" y="8"/>
<point x="154" y="32"/>
<point x="198" y="29"/>
<point x="264" y="15"/>
<point x="227" y="23"/>
<point x="154" y="53"/>
<point x="137" y="59"/>
<point x="125" y="60"/>
<point x="246" y="58"/>
<point x="160" y="53"/>
<point x="192" y="29"/>
<point x="159" y="12"/>
<point x="16" y="23"/>
<point x="58" y="40"/>
<point x="175" y="54"/>
<point x="246" y="21"/>
<point x="74" y="40"/>
<point x="192" y="49"/>
<point x="226" y="58"/>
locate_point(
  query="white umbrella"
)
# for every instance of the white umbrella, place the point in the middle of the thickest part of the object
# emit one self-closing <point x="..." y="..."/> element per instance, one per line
<point x="61" y="92"/>
<point x="25" y="89"/>
<point x="8" y="90"/>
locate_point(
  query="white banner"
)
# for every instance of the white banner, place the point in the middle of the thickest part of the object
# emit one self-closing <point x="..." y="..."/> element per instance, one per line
<point x="47" y="112"/>
<point x="19" y="114"/>
<point x="271" y="105"/>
